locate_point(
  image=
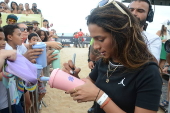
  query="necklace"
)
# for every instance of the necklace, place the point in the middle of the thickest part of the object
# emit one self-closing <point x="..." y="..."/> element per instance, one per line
<point x="108" y="76"/>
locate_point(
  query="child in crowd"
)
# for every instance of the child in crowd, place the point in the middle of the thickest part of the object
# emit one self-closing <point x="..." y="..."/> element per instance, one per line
<point x="33" y="37"/>
<point x="8" y="99"/>
<point x="14" y="41"/>
<point x="43" y="35"/>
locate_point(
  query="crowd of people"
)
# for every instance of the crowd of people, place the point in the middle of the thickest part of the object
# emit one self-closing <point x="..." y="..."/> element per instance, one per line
<point x="124" y="59"/>
<point x="20" y="8"/>
<point x="18" y="37"/>
<point x="79" y="39"/>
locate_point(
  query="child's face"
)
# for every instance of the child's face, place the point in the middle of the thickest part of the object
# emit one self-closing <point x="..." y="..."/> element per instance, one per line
<point x="2" y="41"/>
<point x="42" y="35"/>
<point x="35" y="39"/>
<point x="16" y="37"/>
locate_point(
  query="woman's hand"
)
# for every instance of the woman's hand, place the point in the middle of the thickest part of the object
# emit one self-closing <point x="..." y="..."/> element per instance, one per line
<point x="84" y="93"/>
<point x="71" y="69"/>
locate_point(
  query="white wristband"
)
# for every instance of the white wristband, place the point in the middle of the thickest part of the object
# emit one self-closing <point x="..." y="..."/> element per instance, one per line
<point x="101" y="100"/>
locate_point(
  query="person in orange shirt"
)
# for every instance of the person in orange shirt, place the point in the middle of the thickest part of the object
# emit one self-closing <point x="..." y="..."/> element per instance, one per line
<point x="76" y="40"/>
<point x="81" y="39"/>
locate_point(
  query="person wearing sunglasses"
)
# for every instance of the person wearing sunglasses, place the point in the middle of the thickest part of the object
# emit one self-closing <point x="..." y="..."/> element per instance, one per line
<point x="142" y="10"/>
<point x="11" y="19"/>
<point x="125" y="79"/>
<point x="24" y="31"/>
<point x="4" y="8"/>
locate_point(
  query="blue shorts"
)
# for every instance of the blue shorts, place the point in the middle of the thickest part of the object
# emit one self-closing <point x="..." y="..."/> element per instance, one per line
<point x="15" y="109"/>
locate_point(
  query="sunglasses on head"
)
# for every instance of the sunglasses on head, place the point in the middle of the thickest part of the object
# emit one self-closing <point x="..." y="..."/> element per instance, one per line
<point x="12" y="20"/>
<point x="106" y="2"/>
<point x="23" y="29"/>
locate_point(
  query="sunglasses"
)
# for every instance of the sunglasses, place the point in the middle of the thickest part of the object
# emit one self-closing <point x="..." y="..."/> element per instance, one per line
<point x="23" y="29"/>
<point x="106" y="2"/>
<point x="2" y="7"/>
<point x="12" y="20"/>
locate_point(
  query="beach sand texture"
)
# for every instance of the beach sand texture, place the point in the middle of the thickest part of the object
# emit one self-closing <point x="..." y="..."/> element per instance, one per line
<point x="56" y="100"/>
<point x="59" y="102"/>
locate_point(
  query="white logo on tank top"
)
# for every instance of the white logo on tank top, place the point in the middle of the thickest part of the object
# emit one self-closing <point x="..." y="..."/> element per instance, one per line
<point x="121" y="82"/>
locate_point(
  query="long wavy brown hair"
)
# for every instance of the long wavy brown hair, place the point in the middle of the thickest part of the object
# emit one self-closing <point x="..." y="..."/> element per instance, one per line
<point x="129" y="47"/>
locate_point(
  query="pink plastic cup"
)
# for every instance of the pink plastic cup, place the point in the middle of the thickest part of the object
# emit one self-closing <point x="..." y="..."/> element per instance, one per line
<point x="64" y="81"/>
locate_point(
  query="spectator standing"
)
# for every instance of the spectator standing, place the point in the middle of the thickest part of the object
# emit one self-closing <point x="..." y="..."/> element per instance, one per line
<point x="35" y="10"/>
<point x="43" y="35"/>
<point x="57" y="39"/>
<point x="24" y="33"/>
<point x="45" y="25"/>
<point x="163" y="35"/>
<point x="11" y="19"/>
<point x="3" y="8"/>
<point x="142" y="10"/>
<point x="76" y="40"/>
<point x="21" y="8"/>
<point x="35" y="25"/>
<point x="14" y="8"/>
<point x="6" y="2"/>
<point x="29" y="27"/>
<point x="81" y="39"/>
<point x="27" y="10"/>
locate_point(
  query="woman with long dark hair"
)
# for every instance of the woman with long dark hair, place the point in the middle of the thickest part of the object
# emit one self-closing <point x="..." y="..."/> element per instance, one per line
<point x="125" y="79"/>
<point x="14" y="8"/>
<point x="43" y="35"/>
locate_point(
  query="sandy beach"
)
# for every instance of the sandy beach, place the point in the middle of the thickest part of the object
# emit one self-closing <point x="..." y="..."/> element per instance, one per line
<point x="59" y="102"/>
<point x="56" y="100"/>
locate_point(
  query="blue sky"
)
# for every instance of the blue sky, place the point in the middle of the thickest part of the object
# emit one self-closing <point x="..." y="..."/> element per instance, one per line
<point x="68" y="16"/>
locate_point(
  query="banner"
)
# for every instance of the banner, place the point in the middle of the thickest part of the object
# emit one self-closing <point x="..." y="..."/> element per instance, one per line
<point x="70" y="40"/>
<point x="23" y="18"/>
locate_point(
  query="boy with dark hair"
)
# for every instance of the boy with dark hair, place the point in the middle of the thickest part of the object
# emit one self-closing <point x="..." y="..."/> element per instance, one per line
<point x="33" y="37"/>
<point x="14" y="39"/>
<point x="8" y="97"/>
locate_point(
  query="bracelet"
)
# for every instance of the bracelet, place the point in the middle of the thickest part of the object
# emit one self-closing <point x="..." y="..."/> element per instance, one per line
<point x="105" y="103"/>
<point x="102" y="99"/>
<point x="97" y="95"/>
<point x="7" y="76"/>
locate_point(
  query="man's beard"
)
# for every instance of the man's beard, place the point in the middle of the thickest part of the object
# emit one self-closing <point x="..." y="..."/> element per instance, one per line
<point x="141" y="22"/>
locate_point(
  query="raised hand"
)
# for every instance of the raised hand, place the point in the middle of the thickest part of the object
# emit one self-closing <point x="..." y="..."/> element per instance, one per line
<point x="32" y="53"/>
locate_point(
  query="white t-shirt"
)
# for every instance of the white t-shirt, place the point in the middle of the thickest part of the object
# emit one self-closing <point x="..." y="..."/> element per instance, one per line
<point x="154" y="44"/>
<point x="3" y="93"/>
<point x="44" y="29"/>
